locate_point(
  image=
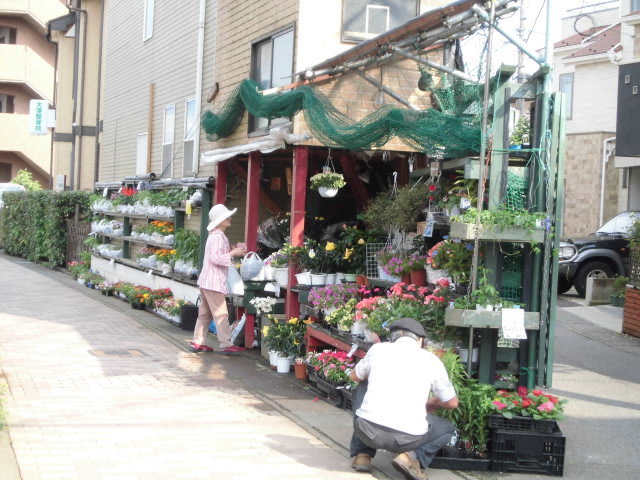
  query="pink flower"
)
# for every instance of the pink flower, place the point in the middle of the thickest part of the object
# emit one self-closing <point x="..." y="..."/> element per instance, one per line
<point x="546" y="406"/>
<point x="432" y="188"/>
<point x="499" y="404"/>
<point x="443" y="282"/>
<point x="522" y="391"/>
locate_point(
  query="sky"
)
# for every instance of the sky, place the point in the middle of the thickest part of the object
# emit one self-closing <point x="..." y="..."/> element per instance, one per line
<point x="534" y="33"/>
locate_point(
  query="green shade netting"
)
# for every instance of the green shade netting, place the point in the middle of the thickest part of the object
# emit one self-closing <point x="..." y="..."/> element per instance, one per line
<point x="434" y="132"/>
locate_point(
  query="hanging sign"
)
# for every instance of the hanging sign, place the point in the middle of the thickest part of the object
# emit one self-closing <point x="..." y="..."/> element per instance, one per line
<point x="38" y="117"/>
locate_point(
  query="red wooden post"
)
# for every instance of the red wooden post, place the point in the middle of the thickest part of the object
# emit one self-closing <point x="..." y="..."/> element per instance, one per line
<point x="221" y="183"/>
<point x="251" y="226"/>
<point x="298" y="202"/>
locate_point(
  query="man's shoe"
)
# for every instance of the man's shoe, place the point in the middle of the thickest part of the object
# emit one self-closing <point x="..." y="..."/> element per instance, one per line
<point x="232" y="350"/>
<point x="361" y="463"/>
<point x="408" y="467"/>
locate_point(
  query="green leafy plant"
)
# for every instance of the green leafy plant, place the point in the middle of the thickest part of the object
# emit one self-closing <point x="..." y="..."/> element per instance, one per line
<point x="620" y="286"/>
<point x="285" y="336"/>
<point x="474" y="404"/>
<point x="521" y="132"/>
<point x="343" y="317"/>
<point x="34" y="224"/>
<point x="400" y="211"/>
<point x="535" y="403"/>
<point x="25" y="178"/>
<point x="327" y="180"/>
<point x="499" y="219"/>
<point x="187" y="245"/>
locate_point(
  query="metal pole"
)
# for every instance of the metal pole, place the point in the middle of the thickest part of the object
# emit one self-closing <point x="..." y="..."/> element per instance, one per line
<point x="538" y="298"/>
<point x="483" y="153"/>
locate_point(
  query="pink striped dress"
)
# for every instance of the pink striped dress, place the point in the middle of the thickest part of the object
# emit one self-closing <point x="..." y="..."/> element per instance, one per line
<point x="216" y="262"/>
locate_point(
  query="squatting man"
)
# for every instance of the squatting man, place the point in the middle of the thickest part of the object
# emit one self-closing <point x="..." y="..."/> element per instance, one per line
<point x="393" y="409"/>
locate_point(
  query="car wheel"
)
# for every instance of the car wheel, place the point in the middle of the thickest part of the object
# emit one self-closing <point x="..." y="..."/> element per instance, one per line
<point x="591" y="269"/>
<point x="564" y="285"/>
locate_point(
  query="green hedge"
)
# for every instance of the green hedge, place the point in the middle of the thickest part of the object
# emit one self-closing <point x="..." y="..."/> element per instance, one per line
<point x="34" y="224"/>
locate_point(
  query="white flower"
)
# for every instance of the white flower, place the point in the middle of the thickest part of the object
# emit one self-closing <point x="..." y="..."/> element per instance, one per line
<point x="312" y="253"/>
<point x="263" y="304"/>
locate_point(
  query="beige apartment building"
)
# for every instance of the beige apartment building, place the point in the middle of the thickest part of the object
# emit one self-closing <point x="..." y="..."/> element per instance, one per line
<point x="27" y="69"/>
<point x="77" y="37"/>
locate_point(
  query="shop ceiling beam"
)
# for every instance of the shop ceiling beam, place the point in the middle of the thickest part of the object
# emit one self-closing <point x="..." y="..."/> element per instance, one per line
<point x="516" y="41"/>
<point x="387" y="90"/>
<point x="437" y="66"/>
<point x="265" y="200"/>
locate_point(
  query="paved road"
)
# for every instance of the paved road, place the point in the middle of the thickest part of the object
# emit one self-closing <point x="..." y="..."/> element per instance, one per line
<point x="100" y="391"/>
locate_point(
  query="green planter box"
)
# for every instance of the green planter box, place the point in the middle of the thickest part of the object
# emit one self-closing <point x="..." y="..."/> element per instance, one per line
<point x="457" y="317"/>
<point x="466" y="231"/>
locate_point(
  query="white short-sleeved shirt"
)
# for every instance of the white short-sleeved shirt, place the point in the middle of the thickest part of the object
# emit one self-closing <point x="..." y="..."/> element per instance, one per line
<point x="401" y="375"/>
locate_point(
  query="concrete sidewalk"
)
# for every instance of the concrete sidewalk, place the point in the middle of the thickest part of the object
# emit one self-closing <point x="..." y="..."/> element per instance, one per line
<point x="99" y="390"/>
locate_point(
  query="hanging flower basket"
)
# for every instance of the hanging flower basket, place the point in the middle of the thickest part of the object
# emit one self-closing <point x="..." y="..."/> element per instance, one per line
<point x="327" y="192"/>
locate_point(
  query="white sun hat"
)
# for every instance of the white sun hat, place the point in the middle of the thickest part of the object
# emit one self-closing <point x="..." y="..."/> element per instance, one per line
<point x="218" y="214"/>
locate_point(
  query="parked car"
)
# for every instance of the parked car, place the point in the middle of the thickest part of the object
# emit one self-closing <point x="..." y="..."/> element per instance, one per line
<point x="603" y="254"/>
<point x="9" y="187"/>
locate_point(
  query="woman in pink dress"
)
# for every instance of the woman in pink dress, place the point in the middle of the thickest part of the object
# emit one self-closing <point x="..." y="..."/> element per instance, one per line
<point x="213" y="283"/>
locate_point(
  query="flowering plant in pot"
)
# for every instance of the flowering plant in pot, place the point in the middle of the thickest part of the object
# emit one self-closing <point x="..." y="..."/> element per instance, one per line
<point x="332" y="366"/>
<point x="536" y="404"/>
<point x="327" y="179"/>
<point x="331" y="297"/>
<point x="454" y="256"/>
<point x="285" y="336"/>
<point x="343" y="317"/>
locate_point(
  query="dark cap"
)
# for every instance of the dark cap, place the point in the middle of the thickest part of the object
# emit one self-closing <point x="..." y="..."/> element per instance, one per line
<point x="410" y="325"/>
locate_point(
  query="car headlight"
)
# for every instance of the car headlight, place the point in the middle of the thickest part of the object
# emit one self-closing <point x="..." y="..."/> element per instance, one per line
<point x="567" y="251"/>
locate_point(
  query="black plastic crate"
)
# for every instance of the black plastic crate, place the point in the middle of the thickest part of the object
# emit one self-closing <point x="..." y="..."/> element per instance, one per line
<point x="329" y="392"/>
<point x="523" y="424"/>
<point x="347" y="400"/>
<point x="513" y="451"/>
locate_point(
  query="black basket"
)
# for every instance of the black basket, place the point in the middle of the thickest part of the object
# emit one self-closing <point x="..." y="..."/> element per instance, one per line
<point x="522" y="424"/>
<point x="460" y="463"/>
<point x="331" y="393"/>
<point x="188" y="316"/>
<point x="347" y="400"/>
<point x="514" y="451"/>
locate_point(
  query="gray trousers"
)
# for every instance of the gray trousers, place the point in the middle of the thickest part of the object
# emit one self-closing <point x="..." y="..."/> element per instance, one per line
<point x="368" y="437"/>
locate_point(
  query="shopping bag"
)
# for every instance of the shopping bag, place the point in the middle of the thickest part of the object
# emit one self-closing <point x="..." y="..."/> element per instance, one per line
<point x="235" y="286"/>
<point x="251" y="267"/>
<point x="236" y="334"/>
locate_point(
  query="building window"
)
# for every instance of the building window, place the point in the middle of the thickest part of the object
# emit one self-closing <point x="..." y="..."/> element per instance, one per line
<point x="148" y="19"/>
<point x="7" y="35"/>
<point x="168" y="131"/>
<point x="141" y="153"/>
<point x="6" y="103"/>
<point x="635" y="6"/>
<point x="566" y="87"/>
<point x="363" y="19"/>
<point x="272" y="67"/>
<point x="190" y="135"/>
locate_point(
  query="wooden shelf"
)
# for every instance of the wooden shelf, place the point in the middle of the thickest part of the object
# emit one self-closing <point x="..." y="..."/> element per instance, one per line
<point x="319" y="337"/>
<point x="147" y="242"/>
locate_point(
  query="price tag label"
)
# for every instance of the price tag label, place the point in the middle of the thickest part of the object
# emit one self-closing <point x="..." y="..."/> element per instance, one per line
<point x="513" y="323"/>
<point x="105" y="192"/>
<point x="354" y="347"/>
<point x="112" y="261"/>
<point x="149" y="273"/>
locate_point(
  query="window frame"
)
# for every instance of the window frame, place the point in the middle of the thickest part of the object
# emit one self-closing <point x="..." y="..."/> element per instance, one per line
<point x="141" y="161"/>
<point x="569" y="101"/>
<point x="193" y="136"/>
<point x="633" y="9"/>
<point x="253" y="128"/>
<point x="350" y="10"/>
<point x="163" y="168"/>
<point x="148" y="18"/>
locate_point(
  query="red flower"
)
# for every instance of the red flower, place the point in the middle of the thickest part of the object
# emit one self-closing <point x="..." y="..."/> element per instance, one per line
<point x="431" y="198"/>
<point x="553" y="399"/>
<point x="537" y="393"/>
<point x="522" y="391"/>
<point x="432" y="188"/>
<point x="526" y="403"/>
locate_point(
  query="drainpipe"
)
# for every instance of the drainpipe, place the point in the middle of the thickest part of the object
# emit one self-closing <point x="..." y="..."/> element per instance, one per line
<point x="607" y="150"/>
<point x="55" y="96"/>
<point x="199" y="67"/>
<point x="96" y="165"/>
<point x="81" y="93"/>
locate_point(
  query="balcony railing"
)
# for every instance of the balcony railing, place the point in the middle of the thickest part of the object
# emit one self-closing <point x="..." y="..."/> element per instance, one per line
<point x="20" y="64"/>
<point x="16" y="138"/>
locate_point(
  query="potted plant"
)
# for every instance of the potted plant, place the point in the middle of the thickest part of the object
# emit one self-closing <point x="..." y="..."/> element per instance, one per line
<point x="327" y="182"/>
<point x="454" y="257"/>
<point x="504" y="225"/>
<point x="470" y="418"/>
<point x="520" y="135"/>
<point x="619" y="291"/>
<point x="287" y="338"/>
<point x="527" y="410"/>
<point x="415" y="265"/>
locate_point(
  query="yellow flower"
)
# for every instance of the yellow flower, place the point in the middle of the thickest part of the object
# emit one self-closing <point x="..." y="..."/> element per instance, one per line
<point x="321" y="218"/>
<point x="330" y="246"/>
<point x="296" y="341"/>
<point x="265" y="330"/>
<point x="361" y="241"/>
<point x="347" y="253"/>
<point x="293" y="320"/>
<point x="308" y="321"/>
